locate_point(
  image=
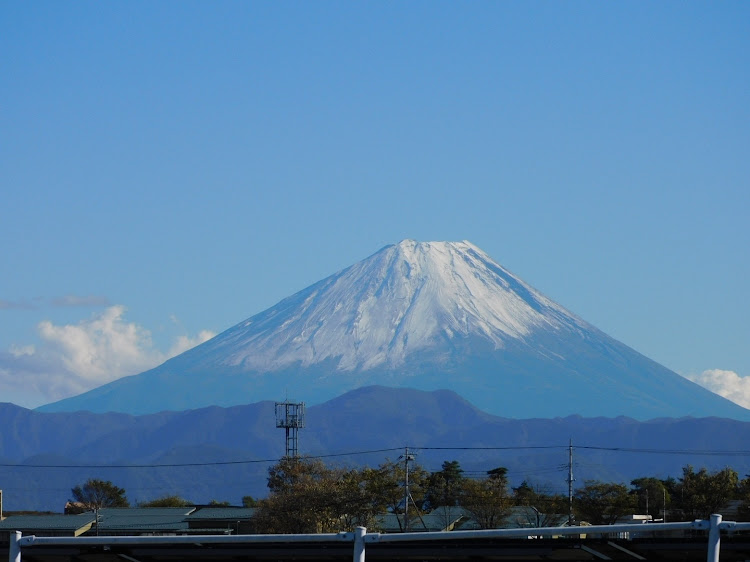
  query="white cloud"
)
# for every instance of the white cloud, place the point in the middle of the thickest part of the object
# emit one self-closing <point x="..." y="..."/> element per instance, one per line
<point x="74" y="358"/>
<point x="20" y="351"/>
<point x="183" y="343"/>
<point x="728" y="384"/>
<point x="103" y="348"/>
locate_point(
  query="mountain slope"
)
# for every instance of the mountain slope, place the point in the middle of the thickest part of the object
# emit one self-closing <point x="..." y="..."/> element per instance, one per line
<point x="224" y="453"/>
<point x="421" y="315"/>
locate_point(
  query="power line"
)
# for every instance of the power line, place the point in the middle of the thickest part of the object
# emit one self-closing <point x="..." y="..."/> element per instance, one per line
<point x="191" y="464"/>
<point x="696" y="452"/>
<point x="509" y="448"/>
<point x="701" y="452"/>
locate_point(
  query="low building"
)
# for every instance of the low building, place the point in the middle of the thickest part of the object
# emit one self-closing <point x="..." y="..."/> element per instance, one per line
<point x="221" y="520"/>
<point x="133" y="521"/>
<point x="54" y="525"/>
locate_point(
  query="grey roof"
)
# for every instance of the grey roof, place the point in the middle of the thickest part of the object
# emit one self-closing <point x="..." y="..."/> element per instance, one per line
<point x="56" y="522"/>
<point x="437" y="520"/>
<point x="442" y="519"/>
<point x="222" y="513"/>
<point x="143" y="518"/>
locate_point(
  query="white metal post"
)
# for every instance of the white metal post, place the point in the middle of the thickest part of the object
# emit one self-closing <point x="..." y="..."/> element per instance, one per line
<point x="714" y="538"/>
<point x="14" y="553"/>
<point x="359" y="544"/>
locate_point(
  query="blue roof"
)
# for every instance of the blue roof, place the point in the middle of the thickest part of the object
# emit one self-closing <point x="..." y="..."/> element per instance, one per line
<point x="55" y="522"/>
<point x="222" y="513"/>
<point x="437" y="520"/>
<point x="143" y="518"/>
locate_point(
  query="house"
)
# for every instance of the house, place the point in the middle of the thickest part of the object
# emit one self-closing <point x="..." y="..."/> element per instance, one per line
<point x="53" y="525"/>
<point x="439" y="519"/>
<point x="130" y="521"/>
<point x="221" y="520"/>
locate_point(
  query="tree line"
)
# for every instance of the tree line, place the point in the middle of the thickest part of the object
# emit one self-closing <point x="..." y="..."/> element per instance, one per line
<point x="308" y="496"/>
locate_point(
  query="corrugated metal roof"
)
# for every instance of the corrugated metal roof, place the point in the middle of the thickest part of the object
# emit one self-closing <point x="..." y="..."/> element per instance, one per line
<point x="55" y="522"/>
<point x="143" y="518"/>
<point x="222" y="513"/>
<point x="437" y="520"/>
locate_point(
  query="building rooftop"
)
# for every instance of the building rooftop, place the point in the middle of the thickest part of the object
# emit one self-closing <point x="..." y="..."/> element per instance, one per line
<point x="143" y="518"/>
<point x="54" y="522"/>
<point x="222" y="513"/>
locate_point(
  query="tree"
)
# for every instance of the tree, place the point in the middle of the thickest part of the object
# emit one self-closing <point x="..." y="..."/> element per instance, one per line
<point x="306" y="496"/>
<point x="652" y="496"/>
<point x="167" y="501"/>
<point x="386" y="483"/>
<point x="217" y="503"/>
<point x="309" y="497"/>
<point x="743" y="493"/>
<point x="544" y="509"/>
<point x="444" y="487"/>
<point x="95" y="494"/>
<point x="602" y="503"/>
<point x="300" y="497"/>
<point x="444" y="490"/>
<point x="355" y="501"/>
<point x="384" y="487"/>
<point x="488" y="499"/>
<point x="699" y="494"/>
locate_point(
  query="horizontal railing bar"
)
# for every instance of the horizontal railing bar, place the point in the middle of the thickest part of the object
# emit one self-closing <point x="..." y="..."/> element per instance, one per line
<point x="734" y="526"/>
<point x="185" y="539"/>
<point x="533" y="531"/>
<point x="381" y="537"/>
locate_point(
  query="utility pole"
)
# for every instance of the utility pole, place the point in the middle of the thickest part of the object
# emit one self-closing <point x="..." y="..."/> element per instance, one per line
<point x="406" y="490"/>
<point x="407" y="493"/>
<point x="570" y="483"/>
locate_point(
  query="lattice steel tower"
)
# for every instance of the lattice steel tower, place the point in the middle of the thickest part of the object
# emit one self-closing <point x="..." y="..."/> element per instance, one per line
<point x="290" y="416"/>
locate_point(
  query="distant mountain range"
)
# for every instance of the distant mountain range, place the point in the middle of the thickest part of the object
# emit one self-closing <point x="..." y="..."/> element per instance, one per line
<point x="435" y="315"/>
<point x="224" y="453"/>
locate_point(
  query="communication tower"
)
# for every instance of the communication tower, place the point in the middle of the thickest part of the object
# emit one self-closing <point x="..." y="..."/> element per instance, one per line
<point x="290" y="416"/>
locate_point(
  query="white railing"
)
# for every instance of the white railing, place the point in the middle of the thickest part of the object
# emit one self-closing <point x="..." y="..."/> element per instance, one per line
<point x="360" y="538"/>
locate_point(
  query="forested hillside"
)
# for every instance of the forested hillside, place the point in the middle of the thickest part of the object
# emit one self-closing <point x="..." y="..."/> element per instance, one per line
<point x="225" y="453"/>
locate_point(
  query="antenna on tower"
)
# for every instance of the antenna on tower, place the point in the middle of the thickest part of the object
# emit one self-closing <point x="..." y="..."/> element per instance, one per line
<point x="291" y="416"/>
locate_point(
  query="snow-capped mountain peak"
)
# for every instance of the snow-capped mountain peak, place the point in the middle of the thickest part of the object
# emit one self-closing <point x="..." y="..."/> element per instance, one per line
<point x="407" y="297"/>
<point x="423" y="315"/>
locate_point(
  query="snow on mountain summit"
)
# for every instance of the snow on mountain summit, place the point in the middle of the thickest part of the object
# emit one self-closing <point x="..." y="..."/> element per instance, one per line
<point x="405" y="298"/>
<point x="420" y="315"/>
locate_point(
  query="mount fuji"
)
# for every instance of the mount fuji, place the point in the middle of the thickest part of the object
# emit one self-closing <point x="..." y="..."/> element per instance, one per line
<point x="423" y="315"/>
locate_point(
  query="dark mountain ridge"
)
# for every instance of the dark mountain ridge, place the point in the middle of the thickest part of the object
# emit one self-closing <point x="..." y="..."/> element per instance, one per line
<point x="224" y="453"/>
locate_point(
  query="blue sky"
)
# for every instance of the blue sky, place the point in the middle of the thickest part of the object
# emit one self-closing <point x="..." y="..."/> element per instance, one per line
<point x="170" y="169"/>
